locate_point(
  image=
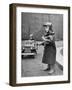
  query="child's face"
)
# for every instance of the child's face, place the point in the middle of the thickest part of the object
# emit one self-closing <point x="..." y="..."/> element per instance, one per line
<point x="46" y="28"/>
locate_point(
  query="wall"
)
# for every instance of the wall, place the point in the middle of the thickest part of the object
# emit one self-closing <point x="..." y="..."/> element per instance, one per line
<point x="33" y="23"/>
<point x="4" y="45"/>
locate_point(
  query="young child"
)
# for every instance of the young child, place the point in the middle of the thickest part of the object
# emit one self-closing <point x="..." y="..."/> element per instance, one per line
<point x="49" y="55"/>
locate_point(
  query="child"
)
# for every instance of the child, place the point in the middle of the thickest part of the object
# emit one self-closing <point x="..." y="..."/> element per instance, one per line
<point x="49" y="56"/>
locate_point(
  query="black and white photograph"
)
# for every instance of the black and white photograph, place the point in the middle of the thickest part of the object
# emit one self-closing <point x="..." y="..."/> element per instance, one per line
<point x="41" y="36"/>
<point x="42" y="44"/>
